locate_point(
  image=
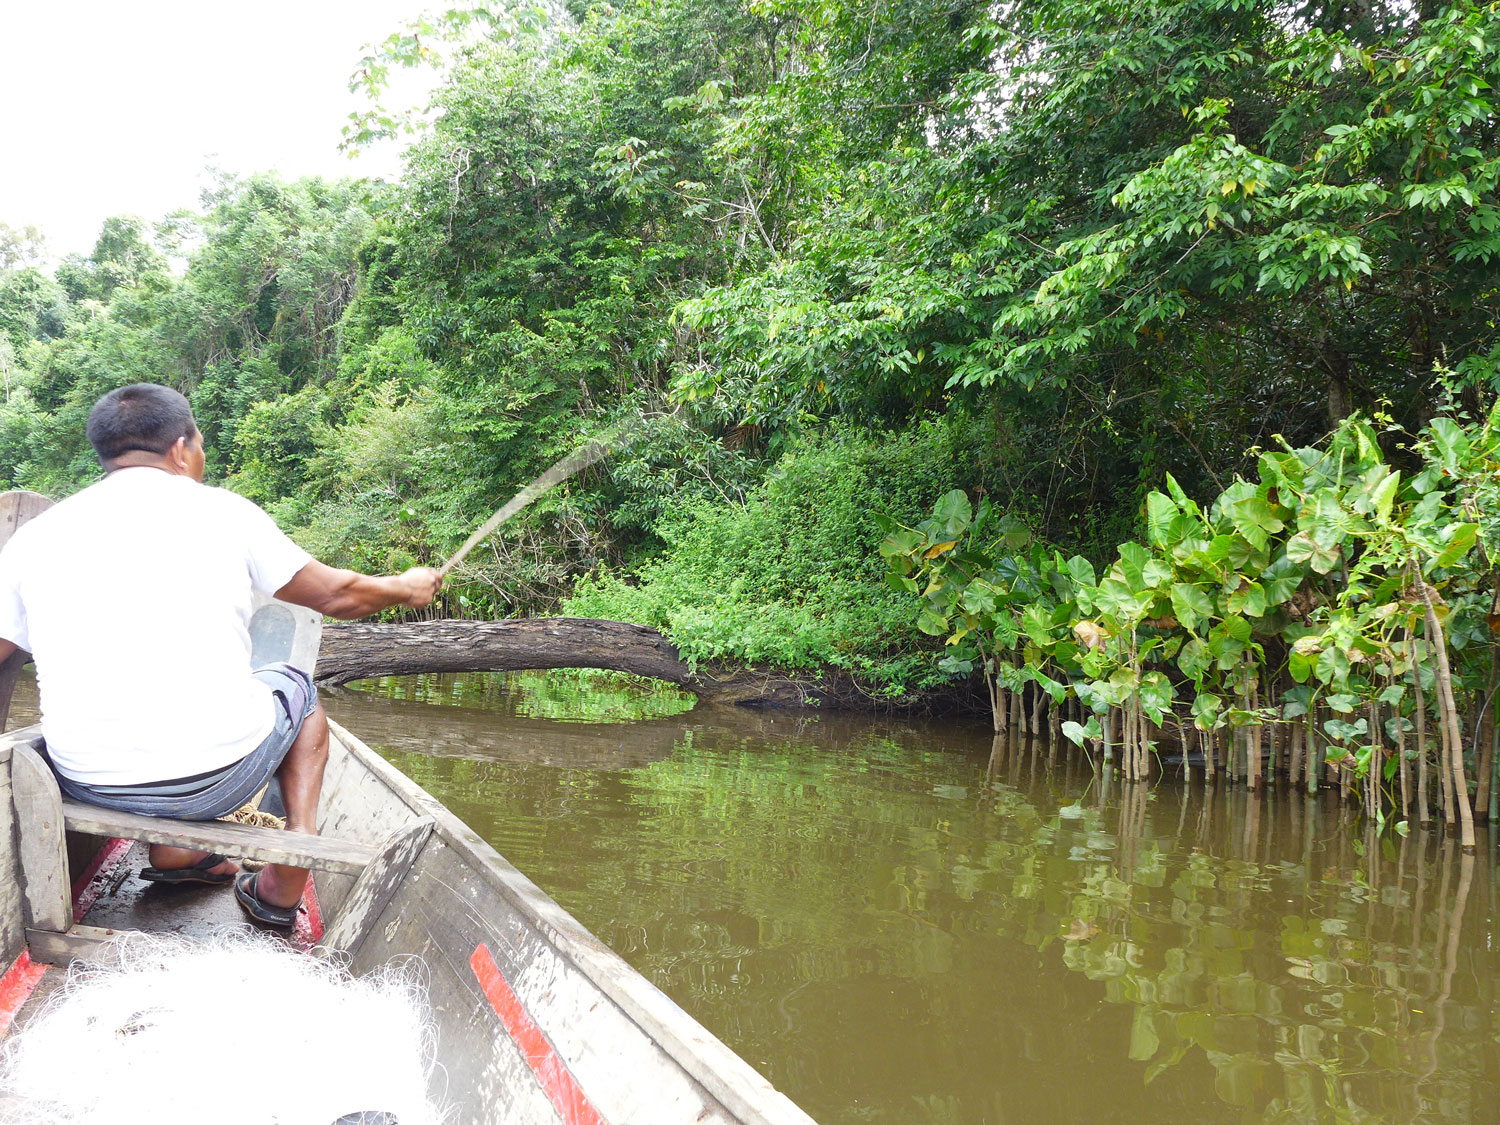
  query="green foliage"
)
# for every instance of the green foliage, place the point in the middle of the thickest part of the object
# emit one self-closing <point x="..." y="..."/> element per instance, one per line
<point x="540" y="252"/>
<point x="254" y="318"/>
<point x="1128" y="244"/>
<point x="33" y="306"/>
<point x="20" y="247"/>
<point x="1141" y="231"/>
<point x="590" y="695"/>
<point x="567" y="695"/>
<point x="275" y="443"/>
<point x="1333" y="569"/>
<point x="790" y="578"/>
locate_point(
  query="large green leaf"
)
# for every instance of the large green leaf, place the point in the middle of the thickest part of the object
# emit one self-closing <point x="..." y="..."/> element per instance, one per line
<point x="953" y="513"/>
<point x="1326" y="519"/>
<point x="932" y="623"/>
<point x="1245" y="556"/>
<point x="1281" y="580"/>
<point x="1191" y="548"/>
<point x="1253" y="534"/>
<point x="1133" y="560"/>
<point x="1299" y="667"/>
<point x="1080" y="733"/>
<point x="1332" y="665"/>
<point x="1174" y="490"/>
<point x="1383" y="495"/>
<point x="1082" y="571"/>
<point x="1117" y="600"/>
<point x="1249" y="598"/>
<point x="1341" y="731"/>
<point x="1191" y="604"/>
<point x="1257" y="512"/>
<point x="979" y="598"/>
<point x="900" y="543"/>
<point x="1459" y="541"/>
<point x="1038" y="625"/>
<point x="1195" y="658"/>
<point x="1303" y="548"/>
<point x="1156" y="695"/>
<point x="1161" y="514"/>
<point x="1218" y="548"/>
<point x="1450" y="440"/>
<point x="1281" y="469"/>
<point x="1012" y="532"/>
<point x="1206" y="708"/>
<point x="1155" y="575"/>
<point x="1343" y="702"/>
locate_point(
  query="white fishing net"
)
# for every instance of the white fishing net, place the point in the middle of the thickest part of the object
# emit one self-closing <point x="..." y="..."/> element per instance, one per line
<point x="237" y="1028"/>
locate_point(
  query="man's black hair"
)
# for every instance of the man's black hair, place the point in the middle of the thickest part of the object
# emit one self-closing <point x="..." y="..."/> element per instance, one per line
<point x="142" y="416"/>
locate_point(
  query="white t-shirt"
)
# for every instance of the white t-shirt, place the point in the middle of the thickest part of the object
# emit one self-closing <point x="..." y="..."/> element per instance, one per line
<point x="134" y="597"/>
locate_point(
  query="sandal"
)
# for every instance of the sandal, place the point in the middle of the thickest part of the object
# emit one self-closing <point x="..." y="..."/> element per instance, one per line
<point x="200" y="872"/>
<point x="244" y="891"/>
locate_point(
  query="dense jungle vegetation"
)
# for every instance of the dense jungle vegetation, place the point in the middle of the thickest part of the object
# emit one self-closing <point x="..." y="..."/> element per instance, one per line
<point x="1084" y="263"/>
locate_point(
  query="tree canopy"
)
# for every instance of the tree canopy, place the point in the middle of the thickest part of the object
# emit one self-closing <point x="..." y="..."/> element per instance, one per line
<point x="1094" y="243"/>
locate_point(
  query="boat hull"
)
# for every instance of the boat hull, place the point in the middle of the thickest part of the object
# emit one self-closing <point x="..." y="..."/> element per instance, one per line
<point x="538" y="1023"/>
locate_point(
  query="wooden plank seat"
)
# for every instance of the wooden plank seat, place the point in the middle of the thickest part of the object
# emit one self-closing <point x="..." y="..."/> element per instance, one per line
<point x="243" y="841"/>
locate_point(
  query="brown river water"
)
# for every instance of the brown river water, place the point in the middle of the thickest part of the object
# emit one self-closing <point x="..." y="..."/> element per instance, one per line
<point x="905" y="922"/>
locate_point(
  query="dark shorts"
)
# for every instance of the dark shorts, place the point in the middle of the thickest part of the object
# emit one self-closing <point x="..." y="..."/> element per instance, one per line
<point x="221" y="791"/>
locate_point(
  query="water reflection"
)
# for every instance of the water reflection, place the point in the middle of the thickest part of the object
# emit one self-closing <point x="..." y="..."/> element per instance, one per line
<point x="910" y="923"/>
<point x="570" y="695"/>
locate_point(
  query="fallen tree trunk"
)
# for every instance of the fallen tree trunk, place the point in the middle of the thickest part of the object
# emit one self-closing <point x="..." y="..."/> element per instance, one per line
<point x="356" y="651"/>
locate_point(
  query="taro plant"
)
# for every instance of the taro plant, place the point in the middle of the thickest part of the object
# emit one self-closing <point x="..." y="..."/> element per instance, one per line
<point x="1302" y="625"/>
<point x="970" y="591"/>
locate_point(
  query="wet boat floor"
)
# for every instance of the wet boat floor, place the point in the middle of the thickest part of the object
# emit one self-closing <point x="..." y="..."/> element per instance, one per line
<point x="128" y="902"/>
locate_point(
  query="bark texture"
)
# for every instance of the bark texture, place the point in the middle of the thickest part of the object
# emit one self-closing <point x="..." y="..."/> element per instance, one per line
<point x="356" y="651"/>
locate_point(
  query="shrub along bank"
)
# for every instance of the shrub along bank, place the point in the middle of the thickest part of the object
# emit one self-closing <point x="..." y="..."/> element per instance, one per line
<point x="1333" y="615"/>
<point x="790" y="578"/>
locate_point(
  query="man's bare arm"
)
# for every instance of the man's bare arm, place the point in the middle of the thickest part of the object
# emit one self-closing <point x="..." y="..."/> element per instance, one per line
<point x="6" y="648"/>
<point x="347" y="594"/>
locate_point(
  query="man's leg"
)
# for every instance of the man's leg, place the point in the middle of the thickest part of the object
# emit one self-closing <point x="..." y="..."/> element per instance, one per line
<point x="301" y="776"/>
<point x="167" y="858"/>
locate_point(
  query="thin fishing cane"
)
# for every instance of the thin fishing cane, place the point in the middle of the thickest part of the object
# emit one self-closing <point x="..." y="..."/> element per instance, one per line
<point x="581" y="458"/>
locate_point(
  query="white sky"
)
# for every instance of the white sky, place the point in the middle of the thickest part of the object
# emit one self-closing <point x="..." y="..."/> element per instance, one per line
<point x="117" y="106"/>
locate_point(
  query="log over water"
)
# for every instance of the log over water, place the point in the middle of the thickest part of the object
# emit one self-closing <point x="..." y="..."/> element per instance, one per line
<point x="357" y="651"/>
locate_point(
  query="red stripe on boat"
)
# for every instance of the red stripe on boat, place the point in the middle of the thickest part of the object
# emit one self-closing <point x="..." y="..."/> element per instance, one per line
<point x="307" y="931"/>
<point x="90" y="885"/>
<point x="550" y="1070"/>
<point x="16" y="986"/>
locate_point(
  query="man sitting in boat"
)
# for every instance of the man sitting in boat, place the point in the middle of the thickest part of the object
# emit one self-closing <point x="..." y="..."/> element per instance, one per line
<point x="134" y="598"/>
